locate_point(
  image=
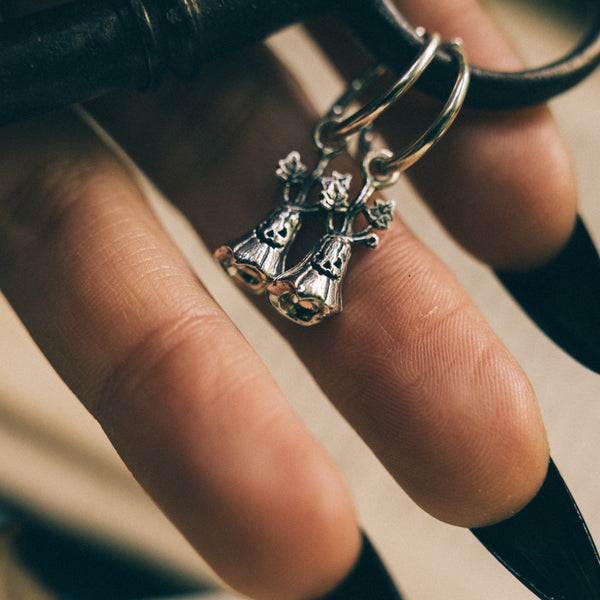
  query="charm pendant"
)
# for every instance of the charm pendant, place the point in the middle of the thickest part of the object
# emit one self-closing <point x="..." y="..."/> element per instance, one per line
<point x="310" y="291"/>
<point x="257" y="258"/>
<point x="254" y="260"/>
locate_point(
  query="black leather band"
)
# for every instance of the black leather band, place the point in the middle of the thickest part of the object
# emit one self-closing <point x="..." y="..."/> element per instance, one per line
<point x="387" y="35"/>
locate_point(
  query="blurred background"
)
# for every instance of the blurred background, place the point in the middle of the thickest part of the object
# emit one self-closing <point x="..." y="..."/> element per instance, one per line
<point x="74" y="523"/>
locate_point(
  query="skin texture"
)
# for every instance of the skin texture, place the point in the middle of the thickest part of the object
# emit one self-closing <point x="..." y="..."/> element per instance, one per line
<point x="188" y="404"/>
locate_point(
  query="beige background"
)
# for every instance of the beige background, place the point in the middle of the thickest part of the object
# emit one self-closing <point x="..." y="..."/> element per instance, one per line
<point x="56" y="461"/>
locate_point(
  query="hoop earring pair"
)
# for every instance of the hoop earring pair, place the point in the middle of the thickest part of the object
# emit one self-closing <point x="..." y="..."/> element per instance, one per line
<point x="310" y="291"/>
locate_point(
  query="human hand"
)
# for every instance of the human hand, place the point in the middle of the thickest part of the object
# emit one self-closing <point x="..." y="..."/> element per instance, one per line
<point x="189" y="406"/>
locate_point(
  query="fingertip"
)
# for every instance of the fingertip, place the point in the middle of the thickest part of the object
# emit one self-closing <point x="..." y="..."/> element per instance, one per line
<point x="508" y="455"/>
<point x="505" y="187"/>
<point x="307" y="536"/>
<point x="482" y="451"/>
<point x="493" y="450"/>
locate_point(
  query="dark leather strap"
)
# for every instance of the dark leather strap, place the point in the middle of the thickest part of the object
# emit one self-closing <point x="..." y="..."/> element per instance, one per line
<point x="388" y="36"/>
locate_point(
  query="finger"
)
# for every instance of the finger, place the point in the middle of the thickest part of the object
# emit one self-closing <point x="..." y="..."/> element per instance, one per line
<point x="410" y="362"/>
<point x="500" y="182"/>
<point x="189" y="407"/>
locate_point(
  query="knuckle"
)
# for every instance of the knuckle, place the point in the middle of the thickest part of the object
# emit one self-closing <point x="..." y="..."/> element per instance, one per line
<point x="141" y="365"/>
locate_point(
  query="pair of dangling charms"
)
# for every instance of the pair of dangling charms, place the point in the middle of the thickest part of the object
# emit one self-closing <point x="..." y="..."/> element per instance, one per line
<point x="310" y="291"/>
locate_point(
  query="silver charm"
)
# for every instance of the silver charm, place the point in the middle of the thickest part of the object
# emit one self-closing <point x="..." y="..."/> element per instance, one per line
<point x="310" y="291"/>
<point x="258" y="257"/>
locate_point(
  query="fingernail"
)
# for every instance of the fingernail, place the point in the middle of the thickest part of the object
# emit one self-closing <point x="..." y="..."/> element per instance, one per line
<point x="368" y="580"/>
<point x="547" y="545"/>
<point x="563" y="297"/>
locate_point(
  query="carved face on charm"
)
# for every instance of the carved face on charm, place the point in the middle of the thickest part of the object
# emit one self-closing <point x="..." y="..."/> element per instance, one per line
<point x="258" y="257"/>
<point x="311" y="291"/>
<point x="279" y="230"/>
<point x="332" y="257"/>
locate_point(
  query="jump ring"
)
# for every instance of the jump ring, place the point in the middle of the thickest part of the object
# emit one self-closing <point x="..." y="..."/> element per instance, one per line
<point x="375" y="170"/>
